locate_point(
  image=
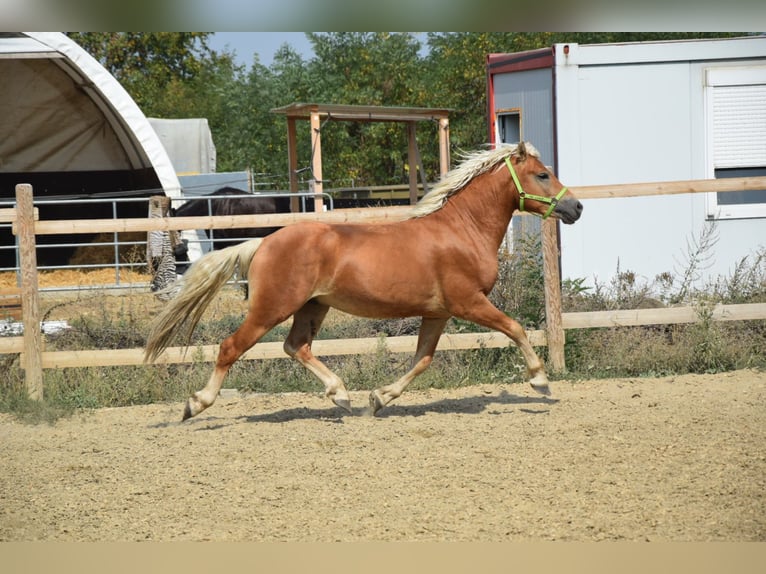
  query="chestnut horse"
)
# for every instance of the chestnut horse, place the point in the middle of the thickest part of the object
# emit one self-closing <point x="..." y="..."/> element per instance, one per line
<point x="438" y="263"/>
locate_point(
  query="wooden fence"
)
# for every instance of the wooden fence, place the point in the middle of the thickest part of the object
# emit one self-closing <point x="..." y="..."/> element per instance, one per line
<point x="34" y="359"/>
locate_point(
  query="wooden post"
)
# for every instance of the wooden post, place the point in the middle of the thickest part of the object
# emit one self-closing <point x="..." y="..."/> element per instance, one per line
<point x="316" y="161"/>
<point x="412" y="162"/>
<point x="552" y="277"/>
<point x="30" y="303"/>
<point x="292" y="163"/>
<point x="443" y="146"/>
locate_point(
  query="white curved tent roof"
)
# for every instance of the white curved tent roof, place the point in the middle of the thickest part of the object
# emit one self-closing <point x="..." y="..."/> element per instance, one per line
<point x="62" y="111"/>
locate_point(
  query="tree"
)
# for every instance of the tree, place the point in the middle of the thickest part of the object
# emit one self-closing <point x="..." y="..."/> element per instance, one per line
<point x="365" y="68"/>
<point x="146" y="63"/>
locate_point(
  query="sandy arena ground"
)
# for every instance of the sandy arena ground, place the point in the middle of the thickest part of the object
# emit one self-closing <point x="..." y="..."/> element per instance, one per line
<point x="668" y="459"/>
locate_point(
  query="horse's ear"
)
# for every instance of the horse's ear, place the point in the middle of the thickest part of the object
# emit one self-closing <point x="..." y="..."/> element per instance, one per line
<point x="521" y="151"/>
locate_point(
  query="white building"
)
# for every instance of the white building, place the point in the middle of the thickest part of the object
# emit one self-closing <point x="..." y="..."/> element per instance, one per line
<point x="643" y="112"/>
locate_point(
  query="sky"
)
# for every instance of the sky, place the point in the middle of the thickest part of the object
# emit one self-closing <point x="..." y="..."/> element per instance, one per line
<point x="265" y="44"/>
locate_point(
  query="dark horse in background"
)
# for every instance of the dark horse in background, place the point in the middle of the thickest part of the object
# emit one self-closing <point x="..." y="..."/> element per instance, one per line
<point x="228" y="201"/>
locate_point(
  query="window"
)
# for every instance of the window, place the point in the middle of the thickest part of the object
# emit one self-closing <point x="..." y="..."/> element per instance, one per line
<point x="509" y="131"/>
<point x="735" y="101"/>
<point x="509" y="126"/>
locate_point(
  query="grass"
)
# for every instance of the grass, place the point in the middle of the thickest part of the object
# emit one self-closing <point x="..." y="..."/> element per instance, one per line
<point x="703" y="347"/>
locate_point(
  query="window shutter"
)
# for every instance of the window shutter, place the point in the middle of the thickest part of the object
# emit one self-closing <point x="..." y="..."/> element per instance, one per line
<point x="739" y="126"/>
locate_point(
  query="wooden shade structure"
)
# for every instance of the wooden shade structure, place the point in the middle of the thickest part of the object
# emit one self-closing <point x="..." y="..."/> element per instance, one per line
<point x="316" y="113"/>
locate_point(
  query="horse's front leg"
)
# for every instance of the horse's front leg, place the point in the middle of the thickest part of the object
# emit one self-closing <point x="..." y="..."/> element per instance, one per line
<point x="428" y="338"/>
<point x="484" y="313"/>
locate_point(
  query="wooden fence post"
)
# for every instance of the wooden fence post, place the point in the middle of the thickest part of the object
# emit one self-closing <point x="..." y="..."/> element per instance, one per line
<point x="552" y="277"/>
<point x="443" y="146"/>
<point x="412" y="161"/>
<point x="30" y="299"/>
<point x="316" y="184"/>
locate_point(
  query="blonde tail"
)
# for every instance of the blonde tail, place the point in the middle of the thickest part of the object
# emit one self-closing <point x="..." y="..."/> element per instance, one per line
<point x="200" y="284"/>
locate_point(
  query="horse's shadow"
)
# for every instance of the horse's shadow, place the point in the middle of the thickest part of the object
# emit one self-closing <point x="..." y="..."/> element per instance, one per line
<point x="472" y="405"/>
<point x="467" y="405"/>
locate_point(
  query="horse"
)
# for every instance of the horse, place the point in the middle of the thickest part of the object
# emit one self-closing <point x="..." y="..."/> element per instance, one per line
<point x="437" y="263"/>
<point x="233" y="203"/>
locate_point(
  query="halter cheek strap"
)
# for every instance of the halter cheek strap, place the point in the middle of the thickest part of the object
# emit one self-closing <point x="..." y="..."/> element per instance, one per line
<point x="551" y="201"/>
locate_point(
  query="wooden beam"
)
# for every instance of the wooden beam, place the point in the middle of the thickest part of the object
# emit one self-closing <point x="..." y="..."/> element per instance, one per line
<point x="30" y="301"/>
<point x="670" y="187"/>
<point x="292" y="163"/>
<point x="8" y="214"/>
<point x="11" y="345"/>
<point x="375" y="214"/>
<point x="274" y="350"/>
<point x="552" y="282"/>
<point x="362" y="113"/>
<point x="412" y="162"/>
<point x="661" y="316"/>
<point x="361" y="214"/>
<point x="444" y="155"/>
<point x="404" y="344"/>
<point x="316" y="161"/>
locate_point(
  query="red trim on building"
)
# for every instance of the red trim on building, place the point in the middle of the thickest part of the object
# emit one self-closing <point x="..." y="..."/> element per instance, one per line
<point x="516" y="62"/>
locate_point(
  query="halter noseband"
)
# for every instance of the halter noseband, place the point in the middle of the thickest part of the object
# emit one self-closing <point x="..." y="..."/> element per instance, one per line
<point x="551" y="201"/>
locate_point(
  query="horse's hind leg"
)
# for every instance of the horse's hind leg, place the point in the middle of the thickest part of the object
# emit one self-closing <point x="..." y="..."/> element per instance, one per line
<point x="428" y="338"/>
<point x="306" y="323"/>
<point x="230" y="350"/>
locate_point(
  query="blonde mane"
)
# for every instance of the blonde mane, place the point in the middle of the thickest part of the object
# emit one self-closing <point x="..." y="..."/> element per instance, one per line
<point x="472" y="165"/>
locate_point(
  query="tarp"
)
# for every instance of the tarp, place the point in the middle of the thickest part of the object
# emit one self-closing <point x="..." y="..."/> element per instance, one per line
<point x="62" y="111"/>
<point x="189" y="144"/>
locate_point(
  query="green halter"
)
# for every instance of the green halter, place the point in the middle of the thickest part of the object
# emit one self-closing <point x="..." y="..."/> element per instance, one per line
<point x="552" y="201"/>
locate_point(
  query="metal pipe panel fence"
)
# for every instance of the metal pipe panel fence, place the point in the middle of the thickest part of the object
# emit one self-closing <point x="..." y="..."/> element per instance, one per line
<point x="118" y="246"/>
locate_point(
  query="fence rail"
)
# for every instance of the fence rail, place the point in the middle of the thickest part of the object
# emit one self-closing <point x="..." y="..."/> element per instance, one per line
<point x="270" y="350"/>
<point x="74" y="226"/>
<point x="120" y="246"/>
<point x="670" y="187"/>
<point x="35" y="359"/>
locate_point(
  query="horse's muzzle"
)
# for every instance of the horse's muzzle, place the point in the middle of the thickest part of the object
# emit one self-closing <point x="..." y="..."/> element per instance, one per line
<point x="568" y="210"/>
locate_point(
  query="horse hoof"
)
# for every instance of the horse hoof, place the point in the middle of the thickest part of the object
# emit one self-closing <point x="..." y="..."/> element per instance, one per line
<point x="345" y="404"/>
<point x="187" y="412"/>
<point x="375" y="403"/>
<point x="543" y="389"/>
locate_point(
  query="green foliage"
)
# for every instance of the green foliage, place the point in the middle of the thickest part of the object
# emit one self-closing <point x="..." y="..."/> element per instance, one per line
<point x="705" y="346"/>
<point x="368" y="68"/>
<point x="746" y="283"/>
<point x="520" y="288"/>
<point x="115" y="323"/>
<point x="147" y="63"/>
<point x="14" y="399"/>
<point x="92" y="387"/>
<point x="176" y="75"/>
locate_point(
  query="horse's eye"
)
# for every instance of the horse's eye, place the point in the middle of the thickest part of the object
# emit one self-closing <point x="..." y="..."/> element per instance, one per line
<point x="543" y="175"/>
